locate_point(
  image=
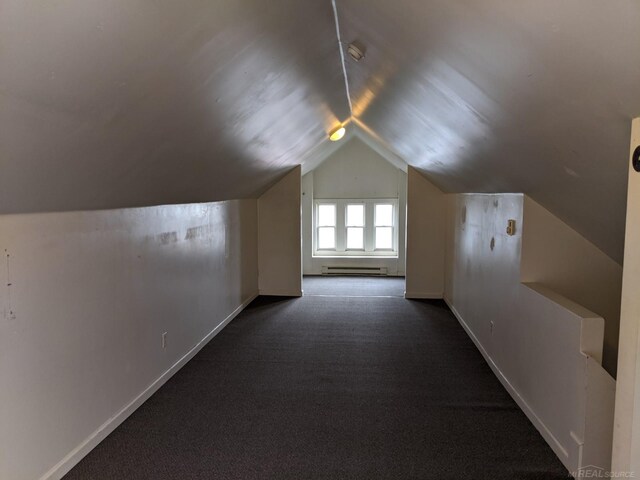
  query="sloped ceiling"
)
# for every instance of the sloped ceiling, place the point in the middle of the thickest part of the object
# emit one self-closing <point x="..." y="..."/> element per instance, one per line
<point x="528" y="96"/>
<point x="114" y="103"/>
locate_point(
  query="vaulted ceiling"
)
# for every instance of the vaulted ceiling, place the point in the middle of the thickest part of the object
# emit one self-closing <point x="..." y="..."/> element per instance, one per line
<point x="118" y="103"/>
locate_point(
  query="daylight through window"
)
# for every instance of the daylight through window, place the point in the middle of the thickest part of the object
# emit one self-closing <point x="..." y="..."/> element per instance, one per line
<point x="366" y="227"/>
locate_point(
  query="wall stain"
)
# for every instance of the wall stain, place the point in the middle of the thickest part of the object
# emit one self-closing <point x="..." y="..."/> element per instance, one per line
<point x="168" y="237"/>
<point x="199" y="232"/>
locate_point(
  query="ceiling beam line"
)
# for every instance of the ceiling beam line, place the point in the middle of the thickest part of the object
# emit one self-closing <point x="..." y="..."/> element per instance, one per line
<point x="344" y="67"/>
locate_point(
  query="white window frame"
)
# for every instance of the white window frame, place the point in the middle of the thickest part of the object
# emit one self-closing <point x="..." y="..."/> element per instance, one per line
<point x="362" y="250"/>
<point x="369" y="228"/>
<point x="316" y="227"/>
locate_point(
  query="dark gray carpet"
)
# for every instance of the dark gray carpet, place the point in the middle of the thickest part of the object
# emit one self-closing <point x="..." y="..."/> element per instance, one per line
<point x="330" y="388"/>
<point x="353" y="286"/>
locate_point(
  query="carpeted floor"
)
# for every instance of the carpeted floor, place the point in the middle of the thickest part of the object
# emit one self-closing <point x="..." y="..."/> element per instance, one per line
<point x="330" y="388"/>
<point x="353" y="286"/>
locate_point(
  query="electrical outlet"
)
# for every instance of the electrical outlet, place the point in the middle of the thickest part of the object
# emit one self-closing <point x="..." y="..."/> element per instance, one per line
<point x="164" y="340"/>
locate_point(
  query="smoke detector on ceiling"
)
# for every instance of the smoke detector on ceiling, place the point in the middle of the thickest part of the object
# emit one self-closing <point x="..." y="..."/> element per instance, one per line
<point x="356" y="51"/>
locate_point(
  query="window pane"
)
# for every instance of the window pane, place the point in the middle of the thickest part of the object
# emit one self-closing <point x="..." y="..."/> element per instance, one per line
<point x="384" y="215"/>
<point x="326" y="215"/>
<point x="326" y="238"/>
<point x="355" y="215"/>
<point x="355" y="238"/>
<point x="384" y="237"/>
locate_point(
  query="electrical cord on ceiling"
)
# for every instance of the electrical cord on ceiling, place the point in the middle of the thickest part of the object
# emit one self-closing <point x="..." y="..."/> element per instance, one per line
<point x="344" y="68"/>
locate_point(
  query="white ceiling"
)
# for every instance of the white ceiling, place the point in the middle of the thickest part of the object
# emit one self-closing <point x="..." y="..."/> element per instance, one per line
<point x="113" y="103"/>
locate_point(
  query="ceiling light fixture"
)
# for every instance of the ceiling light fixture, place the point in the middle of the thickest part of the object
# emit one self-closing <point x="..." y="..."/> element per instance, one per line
<point x="337" y="133"/>
<point x="356" y="51"/>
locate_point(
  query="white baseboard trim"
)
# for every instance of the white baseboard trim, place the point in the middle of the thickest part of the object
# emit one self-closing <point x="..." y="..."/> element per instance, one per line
<point x="281" y="293"/>
<point x="553" y="442"/>
<point x="78" y="453"/>
<point x="425" y="296"/>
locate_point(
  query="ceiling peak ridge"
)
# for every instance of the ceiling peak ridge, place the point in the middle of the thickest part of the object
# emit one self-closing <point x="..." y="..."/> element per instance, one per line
<point x="355" y="129"/>
<point x="342" y="60"/>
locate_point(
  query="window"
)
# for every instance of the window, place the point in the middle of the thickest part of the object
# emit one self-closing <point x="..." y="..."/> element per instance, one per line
<point x="326" y="226"/>
<point x="355" y="226"/>
<point x="384" y="226"/>
<point x="365" y="227"/>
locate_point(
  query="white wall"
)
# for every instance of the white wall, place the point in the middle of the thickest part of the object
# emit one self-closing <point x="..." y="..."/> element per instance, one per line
<point x="353" y="171"/>
<point x="484" y="281"/>
<point x="84" y="301"/>
<point x="426" y="217"/>
<point x="306" y="201"/>
<point x="626" y="446"/>
<point x="544" y="348"/>
<point x="279" y="242"/>
<point x="356" y="171"/>
<point x="556" y="255"/>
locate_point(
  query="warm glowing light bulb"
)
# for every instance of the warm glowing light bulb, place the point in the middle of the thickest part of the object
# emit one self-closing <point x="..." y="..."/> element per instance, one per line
<point x="336" y="134"/>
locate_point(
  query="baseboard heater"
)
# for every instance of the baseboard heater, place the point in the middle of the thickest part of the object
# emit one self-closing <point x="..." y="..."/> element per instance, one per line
<point x="354" y="270"/>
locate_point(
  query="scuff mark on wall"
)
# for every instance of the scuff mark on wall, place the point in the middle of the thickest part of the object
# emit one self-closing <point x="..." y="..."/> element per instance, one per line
<point x="8" y="313"/>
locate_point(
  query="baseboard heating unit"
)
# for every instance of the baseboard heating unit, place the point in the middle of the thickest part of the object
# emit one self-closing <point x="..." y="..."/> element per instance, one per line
<point x="354" y="270"/>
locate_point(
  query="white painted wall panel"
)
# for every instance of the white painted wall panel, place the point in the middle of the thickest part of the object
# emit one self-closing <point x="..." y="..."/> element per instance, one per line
<point x="485" y="281"/>
<point x="279" y="237"/>
<point x="537" y="342"/>
<point x="306" y="202"/>
<point x="426" y="218"/>
<point x="626" y="446"/>
<point x="559" y="257"/>
<point x="601" y="395"/>
<point x="84" y="301"/>
<point x="355" y="171"/>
